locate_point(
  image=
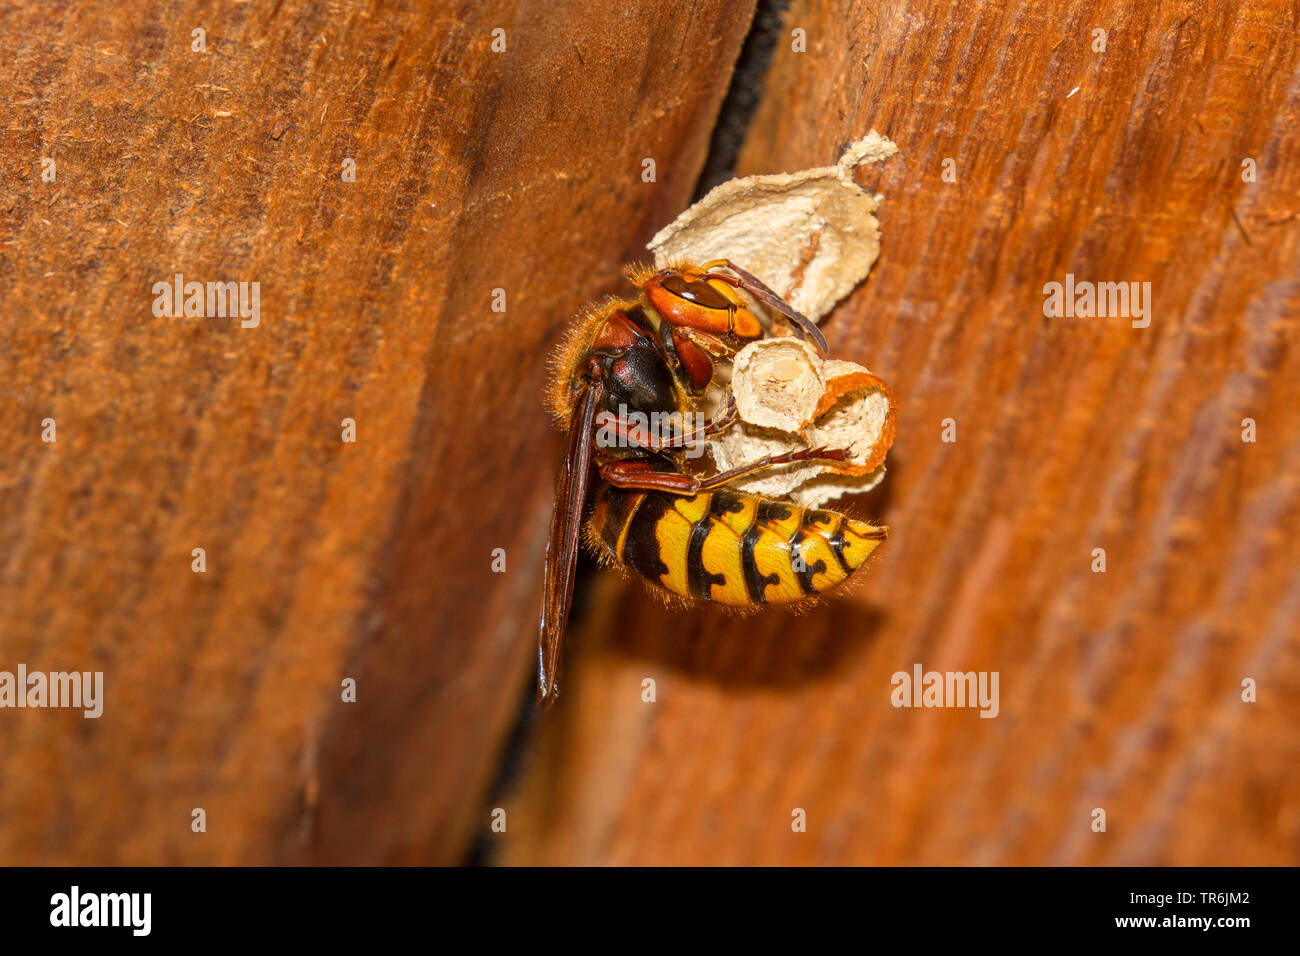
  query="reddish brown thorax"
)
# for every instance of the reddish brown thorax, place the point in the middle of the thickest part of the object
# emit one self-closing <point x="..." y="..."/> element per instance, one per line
<point x="617" y="332"/>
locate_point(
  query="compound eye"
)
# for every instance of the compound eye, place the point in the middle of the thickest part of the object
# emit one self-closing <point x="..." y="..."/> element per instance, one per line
<point x="697" y="291"/>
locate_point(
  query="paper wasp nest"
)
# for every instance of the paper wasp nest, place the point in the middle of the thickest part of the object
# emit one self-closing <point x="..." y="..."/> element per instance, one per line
<point x="790" y="398"/>
<point x="812" y="236"/>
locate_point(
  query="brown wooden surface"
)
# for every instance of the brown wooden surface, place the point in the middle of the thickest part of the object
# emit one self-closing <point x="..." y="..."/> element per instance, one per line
<point x="521" y="171"/>
<point x="475" y="171"/>
<point x="1118" y="690"/>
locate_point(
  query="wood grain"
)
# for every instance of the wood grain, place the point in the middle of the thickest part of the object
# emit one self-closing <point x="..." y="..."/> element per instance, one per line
<point x="1118" y="690"/>
<point x="476" y="170"/>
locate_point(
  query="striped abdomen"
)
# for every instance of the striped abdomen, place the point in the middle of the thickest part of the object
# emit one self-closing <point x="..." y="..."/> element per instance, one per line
<point x="730" y="547"/>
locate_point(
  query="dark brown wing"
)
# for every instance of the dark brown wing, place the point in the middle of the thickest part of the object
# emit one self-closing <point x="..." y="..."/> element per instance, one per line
<point x="562" y="546"/>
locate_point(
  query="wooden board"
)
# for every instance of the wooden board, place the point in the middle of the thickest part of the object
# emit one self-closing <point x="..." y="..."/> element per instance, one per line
<point x="1119" y="691"/>
<point x="475" y="170"/>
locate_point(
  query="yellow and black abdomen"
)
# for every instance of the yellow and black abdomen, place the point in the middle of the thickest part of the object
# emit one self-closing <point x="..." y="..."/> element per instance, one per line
<point x="730" y="547"/>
